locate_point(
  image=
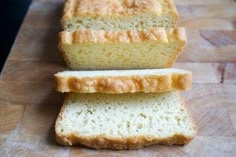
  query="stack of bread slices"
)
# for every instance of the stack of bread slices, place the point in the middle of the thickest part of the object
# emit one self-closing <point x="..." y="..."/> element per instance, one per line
<point x="121" y="92"/>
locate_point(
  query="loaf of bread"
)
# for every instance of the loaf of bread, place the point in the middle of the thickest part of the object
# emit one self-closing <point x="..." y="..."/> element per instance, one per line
<point x="124" y="121"/>
<point x="116" y="15"/>
<point x="124" y="81"/>
<point x="152" y="48"/>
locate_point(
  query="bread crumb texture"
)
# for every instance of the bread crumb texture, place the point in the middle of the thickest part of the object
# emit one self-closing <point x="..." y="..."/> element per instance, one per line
<point x="124" y="121"/>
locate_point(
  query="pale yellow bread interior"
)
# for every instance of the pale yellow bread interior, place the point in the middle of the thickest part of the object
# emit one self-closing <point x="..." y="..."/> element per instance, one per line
<point x="124" y="121"/>
<point x="152" y="48"/>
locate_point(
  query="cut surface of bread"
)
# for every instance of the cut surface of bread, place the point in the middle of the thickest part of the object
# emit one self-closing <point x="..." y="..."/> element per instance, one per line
<point x="123" y="81"/>
<point x="118" y="14"/>
<point x="152" y="48"/>
<point x="124" y="121"/>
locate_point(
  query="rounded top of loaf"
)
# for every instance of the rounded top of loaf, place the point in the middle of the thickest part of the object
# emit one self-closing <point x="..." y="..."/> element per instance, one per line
<point x="74" y="8"/>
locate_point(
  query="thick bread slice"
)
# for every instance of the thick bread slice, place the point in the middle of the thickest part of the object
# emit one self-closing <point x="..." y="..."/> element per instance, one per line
<point x="118" y="14"/>
<point x="124" y="121"/>
<point x="124" y="81"/>
<point x="152" y="48"/>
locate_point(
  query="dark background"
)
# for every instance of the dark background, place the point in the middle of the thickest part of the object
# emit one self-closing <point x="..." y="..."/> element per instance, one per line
<point x="12" y="13"/>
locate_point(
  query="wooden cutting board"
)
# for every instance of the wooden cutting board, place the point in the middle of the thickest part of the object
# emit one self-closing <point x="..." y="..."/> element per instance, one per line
<point x="29" y="103"/>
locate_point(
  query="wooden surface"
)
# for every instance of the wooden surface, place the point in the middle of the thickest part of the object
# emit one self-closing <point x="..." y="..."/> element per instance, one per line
<point x="29" y="103"/>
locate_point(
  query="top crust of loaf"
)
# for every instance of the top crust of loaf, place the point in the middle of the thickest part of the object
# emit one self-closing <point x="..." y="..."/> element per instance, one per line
<point x="128" y="36"/>
<point x="123" y="81"/>
<point x="74" y="8"/>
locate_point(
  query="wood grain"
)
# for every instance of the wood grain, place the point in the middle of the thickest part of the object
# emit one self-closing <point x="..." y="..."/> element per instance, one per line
<point x="226" y="37"/>
<point x="220" y="23"/>
<point x="36" y="70"/>
<point x="36" y="44"/>
<point x="27" y="93"/>
<point x="202" y="2"/>
<point x="12" y="115"/>
<point x="230" y="73"/>
<point x="43" y="15"/>
<point x="29" y="103"/>
<point x="217" y="10"/>
<point x="203" y="72"/>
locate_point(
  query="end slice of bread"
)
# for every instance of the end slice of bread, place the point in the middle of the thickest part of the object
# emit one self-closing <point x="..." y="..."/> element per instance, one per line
<point x="124" y="121"/>
<point x="151" y="48"/>
<point x="118" y="15"/>
<point x="124" y="81"/>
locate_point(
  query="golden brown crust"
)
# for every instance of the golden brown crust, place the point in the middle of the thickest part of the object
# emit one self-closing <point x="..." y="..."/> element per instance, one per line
<point x="59" y="46"/>
<point x="59" y="137"/>
<point x="172" y="7"/>
<point x="124" y="84"/>
<point x="189" y="115"/>
<point x="182" y="81"/>
<point x="104" y="8"/>
<point x="103" y="141"/>
<point x="180" y="34"/>
<point x="128" y="36"/>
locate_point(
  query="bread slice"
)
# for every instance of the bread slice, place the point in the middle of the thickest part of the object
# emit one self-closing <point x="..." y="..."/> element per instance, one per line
<point x="124" y="121"/>
<point x="152" y="48"/>
<point x="124" y="81"/>
<point x="118" y="15"/>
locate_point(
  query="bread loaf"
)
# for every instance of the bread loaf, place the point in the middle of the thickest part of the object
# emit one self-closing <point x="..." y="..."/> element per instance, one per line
<point x="124" y="121"/>
<point x="116" y="15"/>
<point x="152" y="48"/>
<point x="124" y="81"/>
